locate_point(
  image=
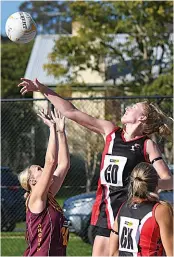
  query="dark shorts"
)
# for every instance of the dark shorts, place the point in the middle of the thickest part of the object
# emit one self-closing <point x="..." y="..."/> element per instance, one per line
<point x="102" y="231"/>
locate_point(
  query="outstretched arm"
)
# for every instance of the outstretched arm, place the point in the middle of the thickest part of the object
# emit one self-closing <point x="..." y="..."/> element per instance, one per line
<point x="40" y="190"/>
<point x="63" y="153"/>
<point x="68" y="109"/>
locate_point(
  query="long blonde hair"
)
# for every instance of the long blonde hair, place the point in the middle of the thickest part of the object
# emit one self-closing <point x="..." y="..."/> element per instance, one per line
<point x="157" y="121"/>
<point x="24" y="179"/>
<point x="143" y="184"/>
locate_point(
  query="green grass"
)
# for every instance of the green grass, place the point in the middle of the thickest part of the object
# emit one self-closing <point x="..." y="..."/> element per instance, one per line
<point x="60" y="200"/>
<point x="20" y="225"/>
<point x="13" y="244"/>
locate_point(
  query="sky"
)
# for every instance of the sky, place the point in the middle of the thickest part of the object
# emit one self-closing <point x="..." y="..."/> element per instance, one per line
<point x="8" y="8"/>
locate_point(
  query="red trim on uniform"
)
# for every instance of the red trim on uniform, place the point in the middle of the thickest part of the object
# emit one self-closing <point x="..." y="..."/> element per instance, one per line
<point x="107" y="213"/>
<point x="106" y="208"/>
<point x="95" y="209"/>
<point x="123" y="138"/>
<point x="120" y="208"/>
<point x="145" y="151"/>
<point x="151" y="231"/>
<point x="96" y="206"/>
<point x="107" y="143"/>
<point x="114" y="130"/>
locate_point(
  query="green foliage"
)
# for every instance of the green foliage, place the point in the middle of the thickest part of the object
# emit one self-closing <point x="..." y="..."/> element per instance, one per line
<point x="14" y="59"/>
<point x="147" y="25"/>
<point x="163" y="85"/>
<point x="51" y="17"/>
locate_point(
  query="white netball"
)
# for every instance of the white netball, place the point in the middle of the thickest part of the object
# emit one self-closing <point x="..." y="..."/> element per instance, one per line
<point x="20" y="27"/>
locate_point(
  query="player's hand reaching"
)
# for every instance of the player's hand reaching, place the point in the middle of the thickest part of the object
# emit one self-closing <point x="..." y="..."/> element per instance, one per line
<point x="29" y="86"/>
<point x="59" y="120"/>
<point x="46" y="118"/>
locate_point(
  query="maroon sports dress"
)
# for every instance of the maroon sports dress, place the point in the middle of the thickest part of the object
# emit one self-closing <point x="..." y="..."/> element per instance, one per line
<point x="46" y="232"/>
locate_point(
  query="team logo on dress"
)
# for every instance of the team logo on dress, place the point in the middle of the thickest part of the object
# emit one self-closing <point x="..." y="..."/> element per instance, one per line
<point x="134" y="206"/>
<point x="115" y="161"/>
<point x="129" y="224"/>
<point x="135" y="147"/>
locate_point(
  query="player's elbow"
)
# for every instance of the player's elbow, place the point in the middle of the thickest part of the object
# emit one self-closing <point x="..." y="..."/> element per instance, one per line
<point x="166" y="183"/>
<point x="64" y="167"/>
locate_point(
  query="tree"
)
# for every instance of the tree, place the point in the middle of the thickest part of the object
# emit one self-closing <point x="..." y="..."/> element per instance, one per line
<point x="51" y="17"/>
<point x="14" y="59"/>
<point x="148" y="28"/>
<point x="162" y="85"/>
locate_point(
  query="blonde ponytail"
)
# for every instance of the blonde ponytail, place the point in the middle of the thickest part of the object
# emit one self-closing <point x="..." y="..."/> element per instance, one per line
<point x="143" y="182"/>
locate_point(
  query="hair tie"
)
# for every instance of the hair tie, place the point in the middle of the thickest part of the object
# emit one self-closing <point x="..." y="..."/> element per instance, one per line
<point x="139" y="179"/>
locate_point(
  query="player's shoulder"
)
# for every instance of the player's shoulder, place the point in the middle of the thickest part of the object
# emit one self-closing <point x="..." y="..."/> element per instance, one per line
<point x="163" y="210"/>
<point x="151" y="146"/>
<point x="150" y="142"/>
<point x="113" y="128"/>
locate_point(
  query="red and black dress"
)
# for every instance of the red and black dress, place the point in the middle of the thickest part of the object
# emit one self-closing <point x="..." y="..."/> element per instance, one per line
<point x="139" y="233"/>
<point x="118" y="160"/>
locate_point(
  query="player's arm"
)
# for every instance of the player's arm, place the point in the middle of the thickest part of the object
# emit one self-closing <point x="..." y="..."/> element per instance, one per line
<point x="68" y="109"/>
<point x="164" y="218"/>
<point x="39" y="193"/>
<point x="63" y="153"/>
<point x="114" y="240"/>
<point x="155" y="157"/>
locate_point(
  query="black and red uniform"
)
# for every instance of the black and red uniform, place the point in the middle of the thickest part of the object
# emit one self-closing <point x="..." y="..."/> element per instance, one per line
<point x="139" y="233"/>
<point x="118" y="160"/>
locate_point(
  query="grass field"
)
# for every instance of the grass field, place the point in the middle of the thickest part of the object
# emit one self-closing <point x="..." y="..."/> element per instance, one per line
<point x="13" y="244"/>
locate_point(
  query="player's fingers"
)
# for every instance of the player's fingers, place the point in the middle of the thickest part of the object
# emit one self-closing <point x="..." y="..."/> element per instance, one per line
<point x="45" y="112"/>
<point x="23" y="90"/>
<point x="26" y="80"/>
<point x="52" y="115"/>
<point x="56" y="113"/>
<point x="40" y="116"/>
<point x="48" y="116"/>
<point x="22" y="84"/>
<point x="63" y="119"/>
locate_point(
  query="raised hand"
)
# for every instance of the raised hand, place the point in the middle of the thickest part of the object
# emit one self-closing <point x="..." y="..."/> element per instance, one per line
<point x="46" y="118"/>
<point x="28" y="85"/>
<point x="59" y="119"/>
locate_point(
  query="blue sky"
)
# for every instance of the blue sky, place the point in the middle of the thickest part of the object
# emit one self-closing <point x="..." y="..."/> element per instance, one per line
<point x="7" y="8"/>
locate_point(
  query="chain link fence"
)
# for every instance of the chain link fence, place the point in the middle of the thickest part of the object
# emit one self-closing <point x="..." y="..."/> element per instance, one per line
<point x="24" y="140"/>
